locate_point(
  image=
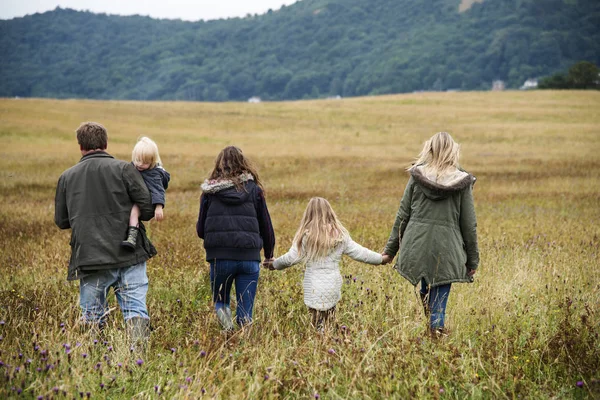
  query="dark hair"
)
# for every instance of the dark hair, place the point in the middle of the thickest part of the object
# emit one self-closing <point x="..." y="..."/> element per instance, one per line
<point x="231" y="164"/>
<point x="92" y="136"/>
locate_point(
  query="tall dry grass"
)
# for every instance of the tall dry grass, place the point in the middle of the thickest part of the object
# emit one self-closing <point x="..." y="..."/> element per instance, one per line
<point x="528" y="327"/>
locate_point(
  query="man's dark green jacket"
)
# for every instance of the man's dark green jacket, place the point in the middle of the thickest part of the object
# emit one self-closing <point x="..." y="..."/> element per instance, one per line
<point x="436" y="229"/>
<point x="94" y="199"/>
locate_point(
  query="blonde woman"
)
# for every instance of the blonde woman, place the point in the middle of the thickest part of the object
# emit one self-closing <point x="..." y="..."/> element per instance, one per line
<point x="320" y="242"/>
<point x="435" y="227"/>
<point x="147" y="161"/>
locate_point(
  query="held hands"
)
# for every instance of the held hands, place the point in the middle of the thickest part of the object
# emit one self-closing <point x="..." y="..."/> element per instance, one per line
<point x="158" y="213"/>
<point x="268" y="263"/>
<point x="386" y="259"/>
<point x="470" y="273"/>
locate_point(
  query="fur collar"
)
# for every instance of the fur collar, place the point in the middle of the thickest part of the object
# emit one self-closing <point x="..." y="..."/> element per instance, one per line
<point x="216" y="185"/>
<point x="453" y="181"/>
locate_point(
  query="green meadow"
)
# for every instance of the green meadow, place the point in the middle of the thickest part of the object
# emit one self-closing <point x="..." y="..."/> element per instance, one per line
<point x="528" y="327"/>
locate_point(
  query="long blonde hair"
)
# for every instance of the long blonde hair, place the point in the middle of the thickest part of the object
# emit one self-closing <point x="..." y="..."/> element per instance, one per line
<point x="231" y="164"/>
<point x="145" y="151"/>
<point x="320" y="230"/>
<point x="440" y="154"/>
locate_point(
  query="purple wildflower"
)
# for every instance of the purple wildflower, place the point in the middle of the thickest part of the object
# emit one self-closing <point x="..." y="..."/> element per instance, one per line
<point x="55" y="389"/>
<point x="139" y="361"/>
<point x="84" y="355"/>
<point x="331" y="351"/>
<point x="317" y="396"/>
<point x="19" y="390"/>
<point x="442" y="391"/>
<point x="2" y="322"/>
<point x="173" y="349"/>
<point x="202" y="353"/>
<point x="101" y="385"/>
<point x="156" y="388"/>
<point x="62" y="324"/>
<point x="579" y="383"/>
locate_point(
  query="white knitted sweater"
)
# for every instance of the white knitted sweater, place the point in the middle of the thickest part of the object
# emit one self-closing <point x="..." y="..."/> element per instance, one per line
<point x="322" y="278"/>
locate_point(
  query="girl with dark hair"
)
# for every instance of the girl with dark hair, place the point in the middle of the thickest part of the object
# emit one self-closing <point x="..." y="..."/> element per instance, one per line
<point x="235" y="224"/>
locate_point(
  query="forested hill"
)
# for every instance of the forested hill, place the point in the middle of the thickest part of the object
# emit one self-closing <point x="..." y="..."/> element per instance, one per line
<point x="314" y="48"/>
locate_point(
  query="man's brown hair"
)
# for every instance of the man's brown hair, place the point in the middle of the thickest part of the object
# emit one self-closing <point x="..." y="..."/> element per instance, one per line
<point x="92" y="136"/>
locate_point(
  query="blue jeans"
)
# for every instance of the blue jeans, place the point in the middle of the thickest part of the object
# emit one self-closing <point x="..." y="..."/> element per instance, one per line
<point x="130" y="285"/>
<point x="223" y="273"/>
<point x="438" y="297"/>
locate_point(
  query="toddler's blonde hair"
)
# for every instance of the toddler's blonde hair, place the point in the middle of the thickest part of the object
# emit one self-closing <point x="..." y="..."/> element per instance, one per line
<point x="320" y="230"/>
<point x="440" y="154"/>
<point x="145" y="151"/>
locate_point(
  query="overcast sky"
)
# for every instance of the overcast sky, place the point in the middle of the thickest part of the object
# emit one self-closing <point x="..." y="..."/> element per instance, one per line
<point x="191" y="10"/>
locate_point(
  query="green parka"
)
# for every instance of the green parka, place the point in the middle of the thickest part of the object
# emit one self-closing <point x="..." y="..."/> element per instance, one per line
<point x="94" y="199"/>
<point x="436" y="229"/>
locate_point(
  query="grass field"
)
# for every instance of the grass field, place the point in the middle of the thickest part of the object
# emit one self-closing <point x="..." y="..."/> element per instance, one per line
<point x="527" y="328"/>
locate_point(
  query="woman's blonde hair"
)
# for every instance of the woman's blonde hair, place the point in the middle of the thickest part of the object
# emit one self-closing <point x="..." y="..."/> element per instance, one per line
<point x="231" y="164"/>
<point x="145" y="151"/>
<point x="320" y="230"/>
<point x="439" y="155"/>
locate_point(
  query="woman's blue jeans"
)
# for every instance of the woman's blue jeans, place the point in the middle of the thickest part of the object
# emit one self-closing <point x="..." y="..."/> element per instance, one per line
<point x="437" y="299"/>
<point x="223" y="274"/>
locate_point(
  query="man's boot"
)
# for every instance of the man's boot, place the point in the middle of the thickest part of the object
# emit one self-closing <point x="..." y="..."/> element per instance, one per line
<point x="130" y="242"/>
<point x="138" y="331"/>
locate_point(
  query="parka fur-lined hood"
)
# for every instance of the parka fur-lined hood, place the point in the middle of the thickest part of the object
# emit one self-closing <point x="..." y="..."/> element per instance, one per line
<point x="216" y="185"/>
<point x="225" y="189"/>
<point x="438" y="188"/>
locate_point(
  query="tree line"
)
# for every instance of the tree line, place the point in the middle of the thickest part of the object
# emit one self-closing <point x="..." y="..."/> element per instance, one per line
<point x="311" y="49"/>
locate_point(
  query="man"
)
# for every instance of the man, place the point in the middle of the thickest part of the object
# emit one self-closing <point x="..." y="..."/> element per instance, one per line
<point x="94" y="199"/>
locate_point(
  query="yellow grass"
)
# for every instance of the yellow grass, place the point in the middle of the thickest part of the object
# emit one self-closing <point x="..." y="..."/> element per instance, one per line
<point x="527" y="327"/>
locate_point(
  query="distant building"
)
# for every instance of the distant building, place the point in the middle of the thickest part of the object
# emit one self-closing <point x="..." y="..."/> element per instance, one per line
<point x="498" y="85"/>
<point x="336" y="97"/>
<point x="530" y="84"/>
<point x="254" y="99"/>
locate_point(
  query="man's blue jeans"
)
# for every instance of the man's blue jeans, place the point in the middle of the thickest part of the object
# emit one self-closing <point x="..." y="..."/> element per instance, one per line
<point x="130" y="285"/>
<point x="223" y="273"/>
<point x="438" y="297"/>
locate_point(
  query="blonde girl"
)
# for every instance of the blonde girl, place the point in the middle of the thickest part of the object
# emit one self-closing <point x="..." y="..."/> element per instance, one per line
<point x="435" y="228"/>
<point x="147" y="161"/>
<point x="320" y="242"/>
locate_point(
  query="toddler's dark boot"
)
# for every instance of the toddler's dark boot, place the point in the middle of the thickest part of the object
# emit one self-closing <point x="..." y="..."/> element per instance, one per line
<point x="130" y="242"/>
